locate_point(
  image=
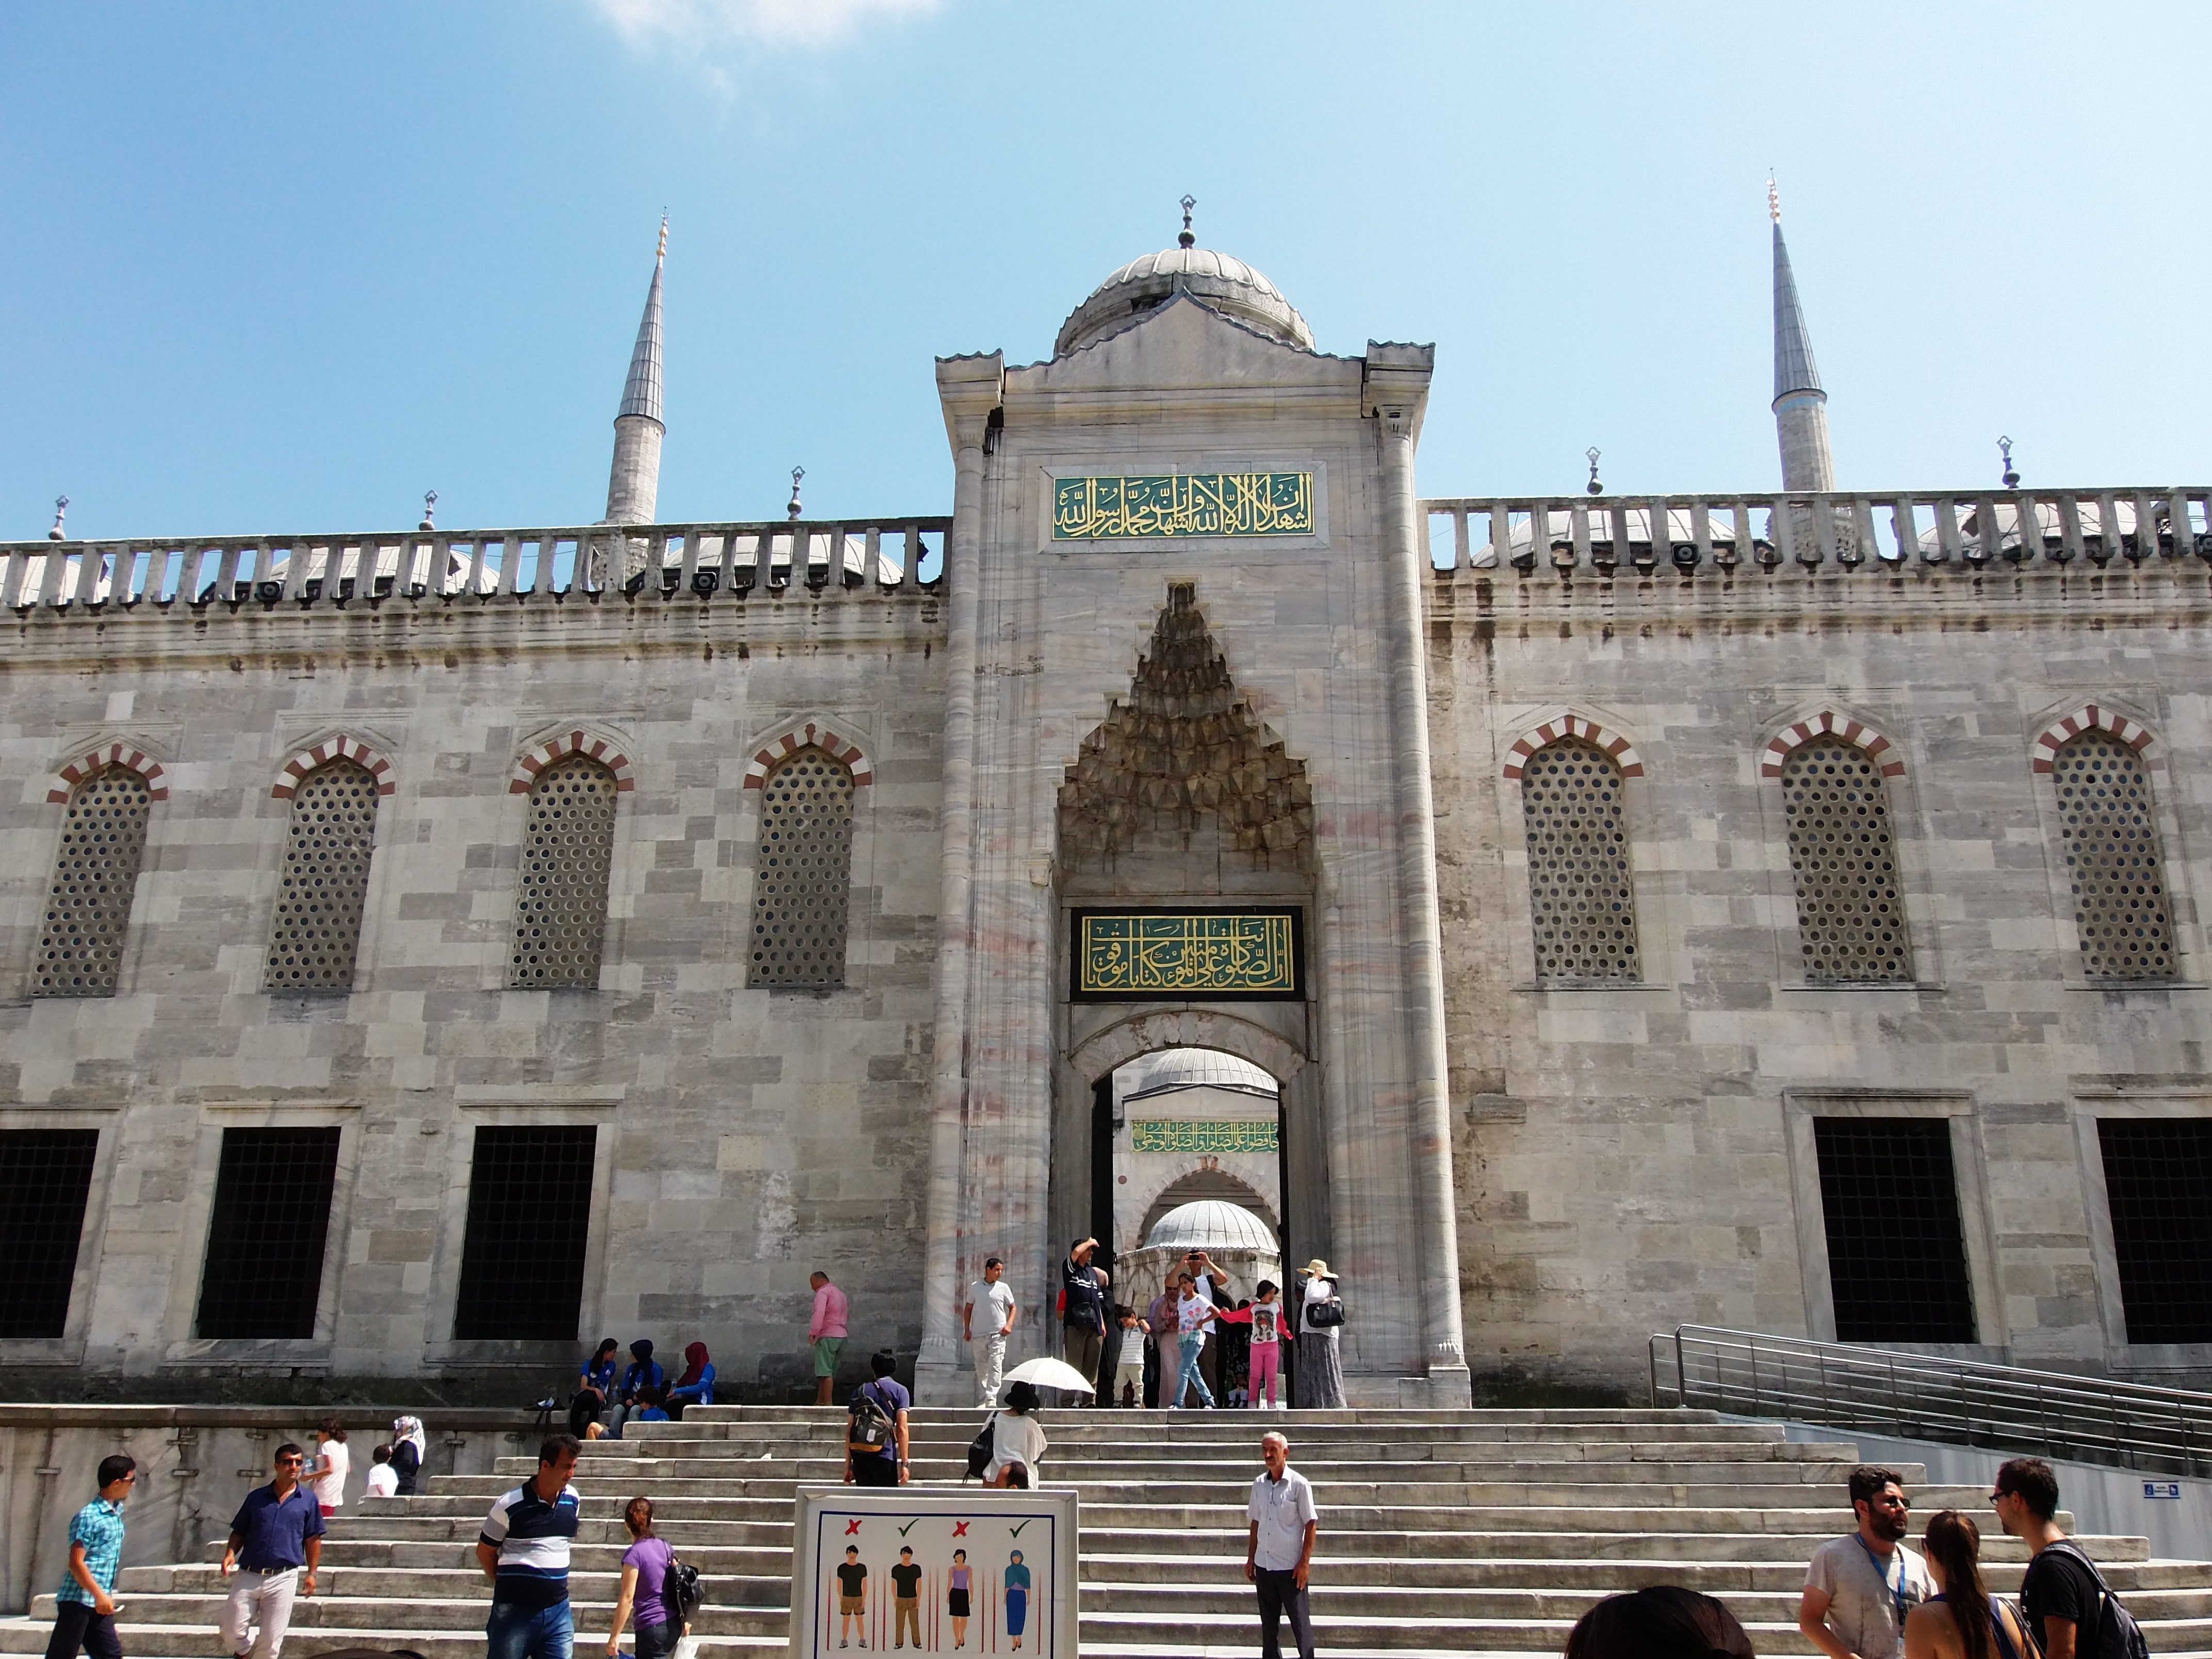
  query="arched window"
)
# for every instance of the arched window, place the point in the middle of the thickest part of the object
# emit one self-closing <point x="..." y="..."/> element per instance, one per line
<point x="1850" y="914"/>
<point x="316" y="930"/>
<point x="2118" y="874"/>
<point x="803" y="880"/>
<point x="96" y="874"/>
<point x="1579" y="900"/>
<point x="568" y="848"/>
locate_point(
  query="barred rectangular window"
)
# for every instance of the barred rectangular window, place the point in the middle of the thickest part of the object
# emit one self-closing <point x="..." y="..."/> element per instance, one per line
<point x="264" y="1274"/>
<point x="2157" y="1181"/>
<point x="530" y="1218"/>
<point x="1897" y="1256"/>
<point x="46" y="1176"/>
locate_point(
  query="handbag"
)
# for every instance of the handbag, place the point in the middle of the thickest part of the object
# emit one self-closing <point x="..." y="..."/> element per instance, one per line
<point x="1324" y="1316"/>
<point x="981" y="1447"/>
<point x="683" y="1589"/>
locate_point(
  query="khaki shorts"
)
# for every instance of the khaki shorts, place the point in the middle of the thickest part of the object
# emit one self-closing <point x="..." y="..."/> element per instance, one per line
<point x="855" y="1605"/>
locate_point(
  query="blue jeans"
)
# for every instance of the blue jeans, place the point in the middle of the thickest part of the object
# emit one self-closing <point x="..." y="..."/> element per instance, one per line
<point x="517" y="1632"/>
<point x="1193" y="1347"/>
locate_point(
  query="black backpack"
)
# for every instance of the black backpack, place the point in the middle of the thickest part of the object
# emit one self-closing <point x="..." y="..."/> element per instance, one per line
<point x="2119" y="1636"/>
<point x="868" y="1431"/>
<point x="684" y="1589"/>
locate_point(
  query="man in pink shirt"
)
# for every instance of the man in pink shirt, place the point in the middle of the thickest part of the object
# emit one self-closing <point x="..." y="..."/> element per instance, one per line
<point x="826" y="1331"/>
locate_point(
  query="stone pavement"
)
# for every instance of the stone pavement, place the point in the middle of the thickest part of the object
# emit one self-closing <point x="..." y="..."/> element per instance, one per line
<point x="1486" y="1532"/>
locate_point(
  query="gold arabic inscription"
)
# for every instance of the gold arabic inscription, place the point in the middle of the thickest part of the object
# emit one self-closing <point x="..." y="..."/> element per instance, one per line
<point x="1171" y="504"/>
<point x="1189" y="955"/>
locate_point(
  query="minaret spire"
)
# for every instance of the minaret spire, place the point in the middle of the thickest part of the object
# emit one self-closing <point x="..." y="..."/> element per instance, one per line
<point x="1801" y="407"/>
<point x="633" y="487"/>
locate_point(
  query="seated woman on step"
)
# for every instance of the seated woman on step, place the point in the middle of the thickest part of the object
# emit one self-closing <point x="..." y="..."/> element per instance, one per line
<point x="1017" y="1438"/>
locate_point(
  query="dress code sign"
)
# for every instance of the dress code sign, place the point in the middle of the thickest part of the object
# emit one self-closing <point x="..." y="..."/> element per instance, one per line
<point x="936" y="1569"/>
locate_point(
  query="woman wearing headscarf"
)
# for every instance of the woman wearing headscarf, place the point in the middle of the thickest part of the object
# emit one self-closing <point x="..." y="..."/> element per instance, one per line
<point x="1320" y="1372"/>
<point x="695" y="1387"/>
<point x="410" y="1446"/>
<point x="645" y="1372"/>
<point x="594" y="1385"/>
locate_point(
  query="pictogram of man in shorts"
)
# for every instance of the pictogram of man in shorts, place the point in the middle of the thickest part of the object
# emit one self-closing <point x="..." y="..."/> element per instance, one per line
<point x="852" y="1596"/>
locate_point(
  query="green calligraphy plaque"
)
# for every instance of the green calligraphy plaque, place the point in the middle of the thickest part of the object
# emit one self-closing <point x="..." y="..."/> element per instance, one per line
<point x="1170" y="1134"/>
<point x="1203" y="956"/>
<point x="1182" y="504"/>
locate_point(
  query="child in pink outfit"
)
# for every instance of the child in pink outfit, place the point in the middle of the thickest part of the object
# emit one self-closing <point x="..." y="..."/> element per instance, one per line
<point x="1269" y="1333"/>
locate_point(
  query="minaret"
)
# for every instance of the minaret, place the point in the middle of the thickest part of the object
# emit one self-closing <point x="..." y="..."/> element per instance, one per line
<point x="1800" y="408"/>
<point x="635" y="487"/>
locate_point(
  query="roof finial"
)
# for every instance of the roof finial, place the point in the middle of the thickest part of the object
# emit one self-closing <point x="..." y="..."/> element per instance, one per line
<point x="793" y="509"/>
<point x="2011" y="477"/>
<point x="61" y="506"/>
<point x="429" y="510"/>
<point x="1773" y="199"/>
<point x="1594" y="486"/>
<point x="1187" y="239"/>
<point x="662" y="254"/>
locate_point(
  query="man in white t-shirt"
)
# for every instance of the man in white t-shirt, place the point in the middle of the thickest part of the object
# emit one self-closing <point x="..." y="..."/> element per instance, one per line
<point x="326" y="1476"/>
<point x="383" y="1478"/>
<point x="994" y="1299"/>
<point x="1859" y="1588"/>
<point x="1281" y="1553"/>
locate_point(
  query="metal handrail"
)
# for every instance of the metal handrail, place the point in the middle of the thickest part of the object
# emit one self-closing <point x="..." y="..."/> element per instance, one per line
<point x="1917" y="1396"/>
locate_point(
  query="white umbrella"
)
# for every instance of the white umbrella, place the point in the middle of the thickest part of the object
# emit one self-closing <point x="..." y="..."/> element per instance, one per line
<point x="1051" y="1374"/>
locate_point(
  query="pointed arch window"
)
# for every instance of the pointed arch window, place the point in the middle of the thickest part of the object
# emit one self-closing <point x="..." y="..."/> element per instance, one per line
<point x="95" y="874"/>
<point x="1580" y="901"/>
<point x="1843" y="853"/>
<point x="803" y="878"/>
<point x="2122" y="915"/>
<point x="567" y="850"/>
<point x="315" y="933"/>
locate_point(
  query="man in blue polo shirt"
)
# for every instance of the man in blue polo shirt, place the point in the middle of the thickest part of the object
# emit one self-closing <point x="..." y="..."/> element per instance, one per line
<point x="524" y="1551"/>
<point x="84" y="1607"/>
<point x="275" y="1542"/>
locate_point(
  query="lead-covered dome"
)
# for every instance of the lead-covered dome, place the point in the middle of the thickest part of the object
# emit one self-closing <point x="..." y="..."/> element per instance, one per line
<point x="1228" y="285"/>
<point x="1213" y="1224"/>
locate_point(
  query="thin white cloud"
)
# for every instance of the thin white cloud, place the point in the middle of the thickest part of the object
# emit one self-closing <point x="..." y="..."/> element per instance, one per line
<point x="764" y="22"/>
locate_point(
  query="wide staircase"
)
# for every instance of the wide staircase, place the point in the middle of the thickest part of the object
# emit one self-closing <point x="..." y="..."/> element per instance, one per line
<point x="1487" y="1532"/>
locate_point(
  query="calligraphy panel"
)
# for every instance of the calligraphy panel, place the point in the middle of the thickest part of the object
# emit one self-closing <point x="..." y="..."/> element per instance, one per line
<point x="1171" y="505"/>
<point x="1172" y="1134"/>
<point x="1208" y="955"/>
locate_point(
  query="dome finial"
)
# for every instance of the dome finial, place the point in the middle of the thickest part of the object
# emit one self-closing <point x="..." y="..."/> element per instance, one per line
<point x="1593" y="487"/>
<point x="429" y="510"/>
<point x="61" y="507"/>
<point x="2011" y="472"/>
<point x="793" y="507"/>
<point x="1187" y="239"/>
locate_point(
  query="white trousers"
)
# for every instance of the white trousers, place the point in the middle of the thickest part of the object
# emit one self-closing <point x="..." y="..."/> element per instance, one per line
<point x="263" y="1599"/>
<point x="990" y="1366"/>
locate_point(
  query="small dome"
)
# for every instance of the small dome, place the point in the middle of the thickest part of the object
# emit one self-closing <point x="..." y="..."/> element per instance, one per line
<point x="1196" y="1068"/>
<point x="1228" y="285"/>
<point x="1212" y="1223"/>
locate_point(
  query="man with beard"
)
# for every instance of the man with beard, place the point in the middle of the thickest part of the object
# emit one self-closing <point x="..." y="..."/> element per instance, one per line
<point x="1858" y="1589"/>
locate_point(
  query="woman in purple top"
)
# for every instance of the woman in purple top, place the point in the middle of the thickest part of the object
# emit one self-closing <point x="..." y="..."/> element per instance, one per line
<point x="645" y="1567"/>
<point x="957" y="1584"/>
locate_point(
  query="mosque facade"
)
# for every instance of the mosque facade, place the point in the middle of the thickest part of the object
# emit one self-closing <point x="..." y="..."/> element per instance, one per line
<point x="1569" y="917"/>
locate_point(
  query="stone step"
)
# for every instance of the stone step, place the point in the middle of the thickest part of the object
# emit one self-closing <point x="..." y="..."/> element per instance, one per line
<point x="194" y="1641"/>
<point x="1082" y="1463"/>
<point x="402" y="1615"/>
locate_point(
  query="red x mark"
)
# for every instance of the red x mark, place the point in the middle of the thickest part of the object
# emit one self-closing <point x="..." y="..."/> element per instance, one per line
<point x="959" y="1529"/>
<point x="852" y="1527"/>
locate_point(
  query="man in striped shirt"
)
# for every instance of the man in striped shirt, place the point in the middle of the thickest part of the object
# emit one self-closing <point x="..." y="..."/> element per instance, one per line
<point x="524" y="1551"/>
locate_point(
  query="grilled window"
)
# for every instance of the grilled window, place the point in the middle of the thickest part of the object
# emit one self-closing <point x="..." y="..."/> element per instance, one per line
<point x="272" y="1215"/>
<point x="1897" y="1257"/>
<point x="45" y="1176"/>
<point x="96" y="874"/>
<point x="2120" y="910"/>
<point x="1851" y="918"/>
<point x="567" y="848"/>
<point x="316" y="928"/>
<point x="2157" y="1181"/>
<point x="1579" y="900"/>
<point x="802" y="884"/>
<point x="529" y="1217"/>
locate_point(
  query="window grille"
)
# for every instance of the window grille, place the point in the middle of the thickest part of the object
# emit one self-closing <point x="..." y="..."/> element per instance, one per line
<point x="568" y="848"/>
<point x="1851" y="918"/>
<point x="2158" y="1182"/>
<point x="2112" y="855"/>
<point x="1897" y="1257"/>
<point x="45" y="1176"/>
<point x="317" y="929"/>
<point x="272" y="1215"/>
<point x="96" y="874"/>
<point x="802" y="884"/>
<point x="1579" y="899"/>
<point x="529" y="1217"/>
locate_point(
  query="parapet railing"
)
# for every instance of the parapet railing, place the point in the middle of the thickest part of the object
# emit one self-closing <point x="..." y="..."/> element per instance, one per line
<point x="1918" y="1397"/>
<point x="1835" y="532"/>
<point x="696" y="561"/>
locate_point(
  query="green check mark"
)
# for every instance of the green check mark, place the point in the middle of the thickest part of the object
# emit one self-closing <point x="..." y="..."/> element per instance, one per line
<point x="909" y="1526"/>
<point x="1016" y="1532"/>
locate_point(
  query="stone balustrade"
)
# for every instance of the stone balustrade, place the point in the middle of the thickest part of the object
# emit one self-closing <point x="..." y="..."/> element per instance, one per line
<point x="1835" y="533"/>
<point x="703" y="562"/>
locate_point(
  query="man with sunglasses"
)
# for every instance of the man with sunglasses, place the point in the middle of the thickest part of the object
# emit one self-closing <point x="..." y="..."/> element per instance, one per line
<point x="84" y="1607"/>
<point x="276" y="1543"/>
<point x="1859" y="1588"/>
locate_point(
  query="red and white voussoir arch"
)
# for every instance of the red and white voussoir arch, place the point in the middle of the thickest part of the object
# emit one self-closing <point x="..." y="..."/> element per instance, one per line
<point x="95" y="761"/>
<point x="1574" y="726"/>
<point x="790" y="743"/>
<point x="539" y="755"/>
<point x="330" y="748"/>
<point x="2093" y="717"/>
<point x="1878" y="749"/>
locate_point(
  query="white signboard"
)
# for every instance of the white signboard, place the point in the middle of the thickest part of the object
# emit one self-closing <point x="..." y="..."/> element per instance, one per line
<point x="934" y="1570"/>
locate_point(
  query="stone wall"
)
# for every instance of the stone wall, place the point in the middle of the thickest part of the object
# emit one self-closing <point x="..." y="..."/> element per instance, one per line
<point x="1633" y="1156"/>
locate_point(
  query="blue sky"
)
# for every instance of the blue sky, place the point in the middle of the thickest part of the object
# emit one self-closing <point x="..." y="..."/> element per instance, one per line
<point x="284" y="267"/>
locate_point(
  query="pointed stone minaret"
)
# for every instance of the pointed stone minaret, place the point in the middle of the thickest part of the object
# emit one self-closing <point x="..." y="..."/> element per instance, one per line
<point x="1801" y="407"/>
<point x="634" y="488"/>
